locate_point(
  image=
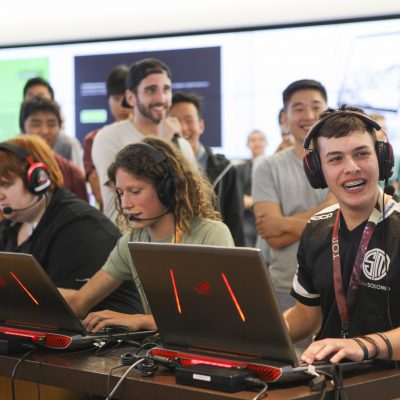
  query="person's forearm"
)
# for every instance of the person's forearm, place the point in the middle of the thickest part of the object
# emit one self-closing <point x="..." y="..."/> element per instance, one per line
<point x="146" y="321"/>
<point x="300" y="324"/>
<point x="290" y="232"/>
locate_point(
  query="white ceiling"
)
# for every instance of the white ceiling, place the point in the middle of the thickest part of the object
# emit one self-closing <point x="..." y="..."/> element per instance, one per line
<point x="45" y="21"/>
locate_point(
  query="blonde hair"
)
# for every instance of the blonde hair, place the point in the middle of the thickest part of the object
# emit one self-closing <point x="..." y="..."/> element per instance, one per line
<point x="191" y="195"/>
<point x="11" y="166"/>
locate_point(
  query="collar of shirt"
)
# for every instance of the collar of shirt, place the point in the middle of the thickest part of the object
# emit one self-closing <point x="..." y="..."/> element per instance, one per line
<point x="202" y="157"/>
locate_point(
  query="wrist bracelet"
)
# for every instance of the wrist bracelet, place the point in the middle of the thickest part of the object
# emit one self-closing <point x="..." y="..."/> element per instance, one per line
<point x="363" y="347"/>
<point x="388" y="344"/>
<point x="374" y="343"/>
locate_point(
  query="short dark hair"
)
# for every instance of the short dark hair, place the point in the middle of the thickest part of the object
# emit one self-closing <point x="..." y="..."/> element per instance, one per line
<point x="116" y="80"/>
<point x="181" y="97"/>
<point x="37" y="104"/>
<point x="38" y="81"/>
<point x="303" y="84"/>
<point x="143" y="68"/>
<point x="341" y="122"/>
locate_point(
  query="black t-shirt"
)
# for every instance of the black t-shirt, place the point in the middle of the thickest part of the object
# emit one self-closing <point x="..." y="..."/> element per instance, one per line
<point x="72" y="242"/>
<point x="379" y="287"/>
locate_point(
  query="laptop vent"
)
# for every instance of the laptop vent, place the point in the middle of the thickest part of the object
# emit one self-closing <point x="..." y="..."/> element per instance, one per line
<point x="57" y="341"/>
<point x="264" y="372"/>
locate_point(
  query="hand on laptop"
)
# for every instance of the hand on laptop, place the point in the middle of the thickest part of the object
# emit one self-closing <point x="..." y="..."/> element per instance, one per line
<point x="134" y="322"/>
<point x="334" y="350"/>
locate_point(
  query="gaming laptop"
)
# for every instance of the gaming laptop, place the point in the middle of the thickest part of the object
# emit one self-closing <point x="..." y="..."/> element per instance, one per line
<point x="32" y="307"/>
<point x="216" y="305"/>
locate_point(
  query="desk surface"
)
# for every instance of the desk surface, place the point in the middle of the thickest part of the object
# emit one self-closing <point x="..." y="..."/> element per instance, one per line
<point x="88" y="373"/>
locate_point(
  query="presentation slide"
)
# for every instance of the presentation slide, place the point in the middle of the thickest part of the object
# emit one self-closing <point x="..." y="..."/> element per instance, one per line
<point x="240" y="75"/>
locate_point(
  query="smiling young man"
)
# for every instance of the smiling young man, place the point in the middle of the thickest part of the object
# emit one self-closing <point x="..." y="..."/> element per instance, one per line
<point x="282" y="198"/>
<point x="41" y="117"/>
<point x="149" y="93"/>
<point x="67" y="146"/>
<point x="218" y="169"/>
<point x="346" y="284"/>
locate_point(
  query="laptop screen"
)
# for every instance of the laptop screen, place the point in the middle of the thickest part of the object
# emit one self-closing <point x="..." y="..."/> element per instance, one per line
<point x="213" y="298"/>
<point x="29" y="298"/>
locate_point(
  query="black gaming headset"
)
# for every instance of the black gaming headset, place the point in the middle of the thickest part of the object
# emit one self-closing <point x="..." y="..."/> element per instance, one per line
<point x="312" y="161"/>
<point x="164" y="186"/>
<point x="36" y="177"/>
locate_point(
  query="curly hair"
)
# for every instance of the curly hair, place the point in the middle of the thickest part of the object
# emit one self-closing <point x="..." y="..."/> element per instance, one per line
<point x="191" y="193"/>
<point x="11" y="166"/>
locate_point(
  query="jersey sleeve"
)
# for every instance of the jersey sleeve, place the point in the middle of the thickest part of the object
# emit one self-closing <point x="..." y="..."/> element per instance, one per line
<point x="303" y="288"/>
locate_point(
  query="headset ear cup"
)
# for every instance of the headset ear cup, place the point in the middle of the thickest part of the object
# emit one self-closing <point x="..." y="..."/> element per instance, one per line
<point x="37" y="179"/>
<point x="313" y="170"/>
<point x="384" y="153"/>
<point x="165" y="190"/>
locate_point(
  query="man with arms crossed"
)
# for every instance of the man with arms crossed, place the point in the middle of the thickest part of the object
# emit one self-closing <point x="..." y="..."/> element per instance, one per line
<point x="347" y="282"/>
<point x="283" y="200"/>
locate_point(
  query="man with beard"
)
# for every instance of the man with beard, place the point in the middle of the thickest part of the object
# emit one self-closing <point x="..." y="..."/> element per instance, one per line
<point x="149" y="93"/>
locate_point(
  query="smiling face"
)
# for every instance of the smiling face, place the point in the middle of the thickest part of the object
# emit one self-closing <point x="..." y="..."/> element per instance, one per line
<point x="351" y="171"/>
<point x="44" y="124"/>
<point x="302" y="111"/>
<point x="152" y="98"/>
<point x="191" y="123"/>
<point x="139" y="199"/>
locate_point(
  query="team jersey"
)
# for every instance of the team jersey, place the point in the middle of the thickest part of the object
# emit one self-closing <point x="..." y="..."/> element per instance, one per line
<point x="377" y="301"/>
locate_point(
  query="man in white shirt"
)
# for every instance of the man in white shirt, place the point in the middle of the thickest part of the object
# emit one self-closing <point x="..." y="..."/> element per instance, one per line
<point x="149" y="93"/>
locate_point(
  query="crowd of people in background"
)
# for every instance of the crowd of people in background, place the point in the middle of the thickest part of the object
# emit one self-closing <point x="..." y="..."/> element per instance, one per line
<point x="154" y="180"/>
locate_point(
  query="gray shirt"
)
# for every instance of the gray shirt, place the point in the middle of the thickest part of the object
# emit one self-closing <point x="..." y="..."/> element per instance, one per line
<point x="281" y="179"/>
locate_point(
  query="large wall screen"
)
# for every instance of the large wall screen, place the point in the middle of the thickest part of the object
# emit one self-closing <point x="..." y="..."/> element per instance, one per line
<point x="240" y="76"/>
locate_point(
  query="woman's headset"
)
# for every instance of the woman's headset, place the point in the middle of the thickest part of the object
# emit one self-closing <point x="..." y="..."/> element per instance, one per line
<point x="165" y="186"/>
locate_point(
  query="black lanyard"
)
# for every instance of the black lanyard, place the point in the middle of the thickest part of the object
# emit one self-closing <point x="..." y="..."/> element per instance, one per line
<point x="344" y="303"/>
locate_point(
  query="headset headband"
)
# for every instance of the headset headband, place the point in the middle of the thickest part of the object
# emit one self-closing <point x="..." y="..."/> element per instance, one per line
<point x="17" y="150"/>
<point x="316" y="128"/>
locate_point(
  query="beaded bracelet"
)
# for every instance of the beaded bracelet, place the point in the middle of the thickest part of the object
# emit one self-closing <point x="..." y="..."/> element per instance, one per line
<point x="363" y="347"/>
<point x="374" y="343"/>
<point x="388" y="344"/>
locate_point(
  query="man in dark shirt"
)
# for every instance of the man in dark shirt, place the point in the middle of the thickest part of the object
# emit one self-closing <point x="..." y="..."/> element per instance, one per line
<point x="219" y="170"/>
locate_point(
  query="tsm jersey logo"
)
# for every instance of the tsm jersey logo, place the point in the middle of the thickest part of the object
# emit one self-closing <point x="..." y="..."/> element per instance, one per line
<point x="376" y="264"/>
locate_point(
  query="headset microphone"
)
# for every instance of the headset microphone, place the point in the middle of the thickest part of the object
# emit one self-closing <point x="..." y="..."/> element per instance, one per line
<point x="137" y="219"/>
<point x="10" y="210"/>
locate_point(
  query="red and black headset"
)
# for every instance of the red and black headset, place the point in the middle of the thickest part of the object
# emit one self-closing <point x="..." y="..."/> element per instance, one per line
<point x="36" y="177"/>
<point x="312" y="162"/>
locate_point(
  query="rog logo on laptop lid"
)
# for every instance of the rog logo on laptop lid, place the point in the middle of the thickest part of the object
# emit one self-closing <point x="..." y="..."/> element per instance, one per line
<point x="213" y="298"/>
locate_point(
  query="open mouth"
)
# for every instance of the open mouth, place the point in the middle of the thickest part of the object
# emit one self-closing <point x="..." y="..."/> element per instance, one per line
<point x="159" y="107"/>
<point x="354" y="185"/>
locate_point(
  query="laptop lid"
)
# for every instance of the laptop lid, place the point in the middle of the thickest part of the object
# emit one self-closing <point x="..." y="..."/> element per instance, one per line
<point x="214" y="298"/>
<point x="29" y="297"/>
